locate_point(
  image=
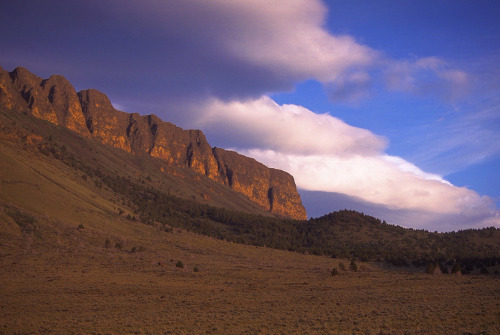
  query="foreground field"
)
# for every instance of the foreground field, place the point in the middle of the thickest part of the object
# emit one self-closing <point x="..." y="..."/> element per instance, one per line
<point x="60" y="279"/>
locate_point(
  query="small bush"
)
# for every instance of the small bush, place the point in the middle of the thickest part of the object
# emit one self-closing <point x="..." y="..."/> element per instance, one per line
<point x="430" y="269"/>
<point x="353" y="266"/>
<point x="196" y="269"/>
<point x="107" y="244"/>
<point x="119" y="245"/>
<point x="335" y="272"/>
<point x="80" y="226"/>
<point x="456" y="268"/>
<point x="179" y="264"/>
<point x="26" y="222"/>
<point x="342" y="266"/>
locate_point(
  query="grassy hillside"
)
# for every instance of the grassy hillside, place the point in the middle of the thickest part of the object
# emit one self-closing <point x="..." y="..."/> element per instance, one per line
<point x="62" y="278"/>
<point x="41" y="159"/>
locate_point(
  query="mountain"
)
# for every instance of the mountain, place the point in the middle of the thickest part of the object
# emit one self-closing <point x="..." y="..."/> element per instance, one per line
<point x="90" y="114"/>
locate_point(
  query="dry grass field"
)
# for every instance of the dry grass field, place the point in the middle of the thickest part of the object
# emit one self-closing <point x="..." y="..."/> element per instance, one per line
<point x="63" y="280"/>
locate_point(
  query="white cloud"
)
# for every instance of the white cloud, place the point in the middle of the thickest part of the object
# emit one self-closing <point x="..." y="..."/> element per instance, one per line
<point x="289" y="37"/>
<point x="239" y="49"/>
<point x="262" y="123"/>
<point x="376" y="179"/>
<point x="325" y="154"/>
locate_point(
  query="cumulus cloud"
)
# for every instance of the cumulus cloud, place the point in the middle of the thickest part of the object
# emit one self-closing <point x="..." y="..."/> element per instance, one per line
<point x="325" y="154"/>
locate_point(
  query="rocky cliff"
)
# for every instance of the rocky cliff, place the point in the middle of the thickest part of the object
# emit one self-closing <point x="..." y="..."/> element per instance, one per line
<point x="91" y="114"/>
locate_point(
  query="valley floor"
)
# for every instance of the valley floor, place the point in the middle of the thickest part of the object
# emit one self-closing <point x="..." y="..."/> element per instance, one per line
<point x="60" y="279"/>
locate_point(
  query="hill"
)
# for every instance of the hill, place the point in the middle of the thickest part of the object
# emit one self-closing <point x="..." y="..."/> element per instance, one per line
<point x="90" y="114"/>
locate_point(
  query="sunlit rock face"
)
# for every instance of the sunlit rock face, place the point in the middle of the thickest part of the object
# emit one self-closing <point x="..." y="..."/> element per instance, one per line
<point x="271" y="188"/>
<point x="10" y="96"/>
<point x="64" y="99"/>
<point x="104" y="121"/>
<point x="91" y="114"/>
<point x="30" y="87"/>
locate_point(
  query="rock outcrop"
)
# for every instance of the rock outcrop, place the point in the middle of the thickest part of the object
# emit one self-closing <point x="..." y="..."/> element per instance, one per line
<point x="91" y="114"/>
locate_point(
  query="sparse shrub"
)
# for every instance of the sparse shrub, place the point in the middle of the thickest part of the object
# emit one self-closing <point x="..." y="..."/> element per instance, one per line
<point x="196" y="269"/>
<point x="456" y="268"/>
<point x="80" y="226"/>
<point x="133" y="250"/>
<point x="342" y="266"/>
<point x="119" y="245"/>
<point x="179" y="264"/>
<point x="353" y="266"/>
<point x="430" y="269"/>
<point x="107" y="244"/>
<point x="26" y="222"/>
<point x="335" y="272"/>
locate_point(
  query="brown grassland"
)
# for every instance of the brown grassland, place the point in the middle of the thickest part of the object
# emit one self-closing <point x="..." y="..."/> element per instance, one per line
<point x="75" y="285"/>
<point x="74" y="266"/>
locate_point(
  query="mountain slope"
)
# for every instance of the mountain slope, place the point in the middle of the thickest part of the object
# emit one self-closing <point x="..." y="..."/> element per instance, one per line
<point x="51" y="171"/>
<point x="90" y="114"/>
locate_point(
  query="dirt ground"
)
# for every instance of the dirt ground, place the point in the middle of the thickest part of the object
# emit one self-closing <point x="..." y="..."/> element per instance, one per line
<point x="62" y="279"/>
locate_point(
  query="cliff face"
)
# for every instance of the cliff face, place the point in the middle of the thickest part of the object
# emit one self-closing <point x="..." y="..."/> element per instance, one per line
<point x="91" y="114"/>
<point x="271" y="188"/>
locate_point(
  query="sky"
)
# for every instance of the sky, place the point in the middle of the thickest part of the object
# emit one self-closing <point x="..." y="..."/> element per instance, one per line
<point x="388" y="107"/>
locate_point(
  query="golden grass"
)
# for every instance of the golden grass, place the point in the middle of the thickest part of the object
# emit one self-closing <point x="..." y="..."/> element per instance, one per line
<point x="66" y="281"/>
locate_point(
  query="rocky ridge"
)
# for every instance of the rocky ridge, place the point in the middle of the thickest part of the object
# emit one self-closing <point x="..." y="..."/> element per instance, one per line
<point x="91" y="114"/>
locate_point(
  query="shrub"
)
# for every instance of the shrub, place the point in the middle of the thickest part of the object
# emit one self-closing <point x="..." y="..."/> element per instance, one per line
<point x="26" y="222"/>
<point x="119" y="245"/>
<point x="456" y="268"/>
<point x="107" y="244"/>
<point x="342" y="266"/>
<point x="80" y="226"/>
<point x="196" y="269"/>
<point x="335" y="272"/>
<point x="179" y="264"/>
<point x="353" y="266"/>
<point x="430" y="269"/>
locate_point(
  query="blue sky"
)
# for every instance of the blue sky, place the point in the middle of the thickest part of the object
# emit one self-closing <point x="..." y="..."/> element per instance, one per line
<point x="388" y="107"/>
